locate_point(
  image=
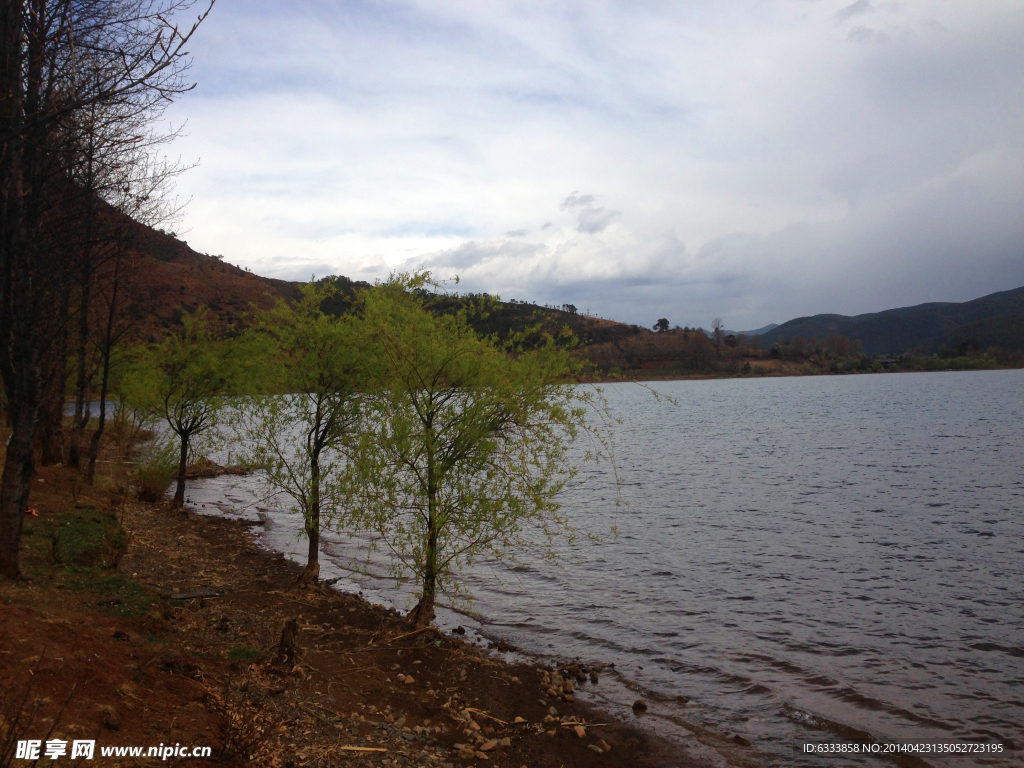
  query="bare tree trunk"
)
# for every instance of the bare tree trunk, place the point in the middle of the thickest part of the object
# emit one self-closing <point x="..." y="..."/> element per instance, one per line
<point x="82" y="403"/>
<point x="14" y="488"/>
<point x="94" y="444"/>
<point x="51" y="415"/>
<point x="108" y="344"/>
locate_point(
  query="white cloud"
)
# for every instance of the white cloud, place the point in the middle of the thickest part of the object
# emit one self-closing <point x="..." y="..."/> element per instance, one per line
<point x="814" y="157"/>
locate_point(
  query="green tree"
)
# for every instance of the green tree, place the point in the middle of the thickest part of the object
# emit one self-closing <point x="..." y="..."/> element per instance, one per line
<point x="662" y="325"/>
<point x="185" y="381"/>
<point x="466" y="439"/>
<point x="299" y="437"/>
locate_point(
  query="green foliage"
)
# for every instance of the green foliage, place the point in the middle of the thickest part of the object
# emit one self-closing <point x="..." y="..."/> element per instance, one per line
<point x="465" y="444"/>
<point x="185" y="381"/>
<point x="298" y="439"/>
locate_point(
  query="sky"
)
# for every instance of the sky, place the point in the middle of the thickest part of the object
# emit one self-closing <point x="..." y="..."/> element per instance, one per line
<point x="754" y="161"/>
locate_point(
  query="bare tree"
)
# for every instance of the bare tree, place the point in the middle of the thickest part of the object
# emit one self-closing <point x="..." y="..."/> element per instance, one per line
<point x="57" y="59"/>
<point x="717" y="334"/>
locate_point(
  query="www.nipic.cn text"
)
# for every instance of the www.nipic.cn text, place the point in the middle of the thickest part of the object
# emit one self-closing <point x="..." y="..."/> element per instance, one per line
<point x="53" y="749"/>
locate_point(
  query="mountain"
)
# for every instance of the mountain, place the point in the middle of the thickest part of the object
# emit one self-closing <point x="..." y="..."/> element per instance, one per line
<point x="993" y="320"/>
<point x="748" y="334"/>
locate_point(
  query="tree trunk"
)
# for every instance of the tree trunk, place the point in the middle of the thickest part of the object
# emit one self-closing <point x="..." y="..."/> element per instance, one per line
<point x="14" y="490"/>
<point x="108" y="343"/>
<point x="94" y="444"/>
<point x="179" y="492"/>
<point x="311" y="573"/>
<point x="51" y="415"/>
<point x="82" y="402"/>
<point x="423" y="614"/>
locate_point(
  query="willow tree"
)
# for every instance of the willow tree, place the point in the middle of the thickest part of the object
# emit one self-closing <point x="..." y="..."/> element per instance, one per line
<point x="187" y="381"/>
<point x="466" y="439"/>
<point x="299" y="429"/>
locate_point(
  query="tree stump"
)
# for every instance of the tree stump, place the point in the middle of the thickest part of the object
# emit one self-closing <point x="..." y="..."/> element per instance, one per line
<point x="288" y="649"/>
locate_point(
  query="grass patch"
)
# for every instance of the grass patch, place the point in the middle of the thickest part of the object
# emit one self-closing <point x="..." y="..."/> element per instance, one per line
<point x="240" y="653"/>
<point x="117" y="594"/>
<point x="80" y="549"/>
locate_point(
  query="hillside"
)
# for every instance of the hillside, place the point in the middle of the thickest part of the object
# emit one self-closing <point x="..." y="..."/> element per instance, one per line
<point x="170" y="277"/>
<point x="993" y="320"/>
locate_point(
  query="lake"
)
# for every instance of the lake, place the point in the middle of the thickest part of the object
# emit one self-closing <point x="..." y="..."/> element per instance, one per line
<point x="799" y="558"/>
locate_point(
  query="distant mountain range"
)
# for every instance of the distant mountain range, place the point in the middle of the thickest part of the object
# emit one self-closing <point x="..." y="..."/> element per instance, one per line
<point x="993" y="320"/>
<point x="755" y="332"/>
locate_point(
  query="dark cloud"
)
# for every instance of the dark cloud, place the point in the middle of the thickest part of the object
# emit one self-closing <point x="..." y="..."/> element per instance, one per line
<point x="854" y="9"/>
<point x="475" y="253"/>
<point x="862" y="34"/>
<point x="576" y="200"/>
<point x="516" y="233"/>
<point x="594" y="220"/>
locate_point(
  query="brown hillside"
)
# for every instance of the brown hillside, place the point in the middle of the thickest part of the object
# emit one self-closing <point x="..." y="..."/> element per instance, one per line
<point x="170" y="277"/>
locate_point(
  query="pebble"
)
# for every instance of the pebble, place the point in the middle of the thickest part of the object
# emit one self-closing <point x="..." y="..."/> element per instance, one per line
<point x="639" y="706"/>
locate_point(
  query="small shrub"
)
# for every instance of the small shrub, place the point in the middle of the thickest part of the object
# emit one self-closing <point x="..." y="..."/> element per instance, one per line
<point x="115" y="539"/>
<point x="155" y="469"/>
<point x="53" y="532"/>
<point x="129" y="426"/>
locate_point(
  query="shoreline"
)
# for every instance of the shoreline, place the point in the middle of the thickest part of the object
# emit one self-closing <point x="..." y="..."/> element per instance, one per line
<point x="651" y="375"/>
<point x="151" y="655"/>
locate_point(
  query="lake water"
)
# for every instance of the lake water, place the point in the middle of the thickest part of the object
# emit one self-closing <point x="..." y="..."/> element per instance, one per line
<point x="799" y="557"/>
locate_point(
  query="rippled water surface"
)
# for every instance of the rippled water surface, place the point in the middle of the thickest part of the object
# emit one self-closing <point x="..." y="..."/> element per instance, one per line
<point x="799" y="557"/>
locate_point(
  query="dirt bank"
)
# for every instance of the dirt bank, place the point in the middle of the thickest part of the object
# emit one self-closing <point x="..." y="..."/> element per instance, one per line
<point x="146" y="662"/>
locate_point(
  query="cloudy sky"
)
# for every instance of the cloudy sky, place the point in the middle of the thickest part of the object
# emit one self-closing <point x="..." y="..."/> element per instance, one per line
<point x="756" y="161"/>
